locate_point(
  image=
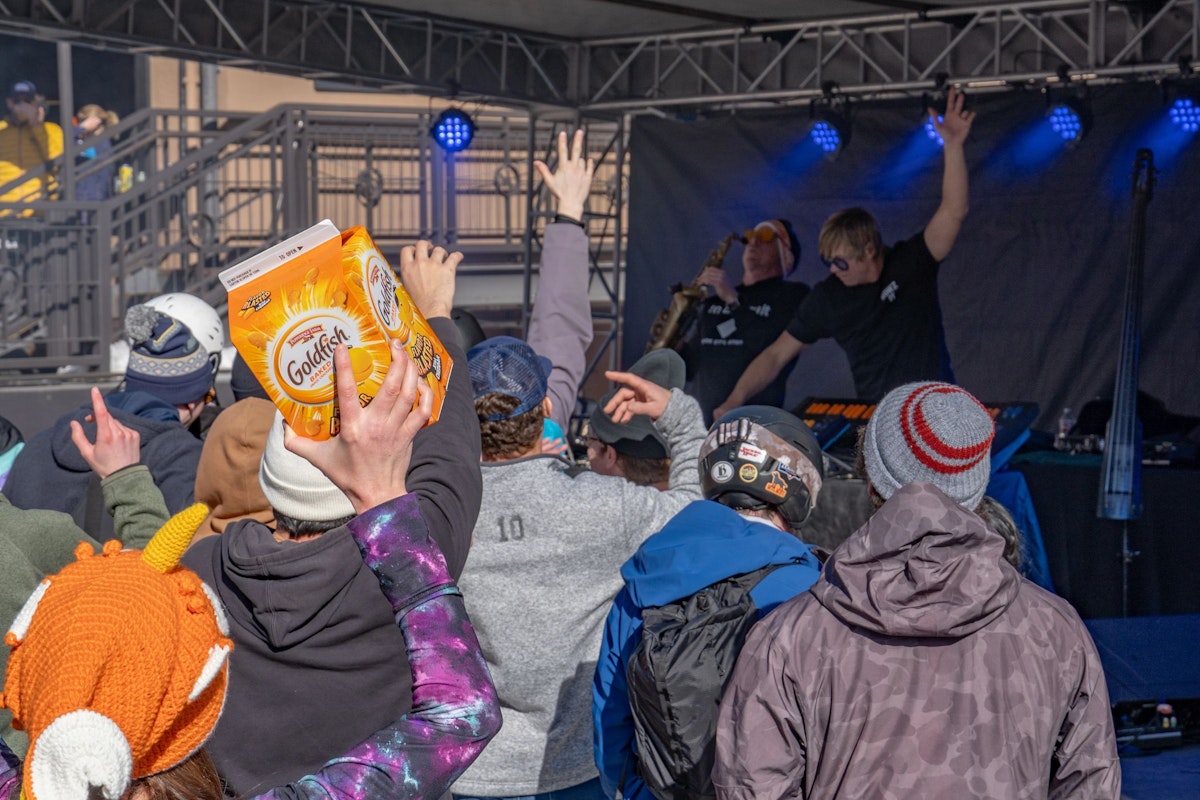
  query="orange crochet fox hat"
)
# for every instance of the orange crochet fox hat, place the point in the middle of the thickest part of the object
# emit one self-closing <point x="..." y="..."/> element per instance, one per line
<point x="119" y="667"/>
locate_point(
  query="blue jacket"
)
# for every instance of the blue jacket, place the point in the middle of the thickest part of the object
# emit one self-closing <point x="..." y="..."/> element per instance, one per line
<point x="704" y="543"/>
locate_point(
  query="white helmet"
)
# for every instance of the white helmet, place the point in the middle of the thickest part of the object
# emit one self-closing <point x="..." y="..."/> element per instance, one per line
<point x="118" y="356"/>
<point x="202" y="320"/>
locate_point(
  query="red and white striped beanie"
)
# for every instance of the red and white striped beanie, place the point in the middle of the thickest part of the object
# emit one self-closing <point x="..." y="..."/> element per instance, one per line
<point x="933" y="433"/>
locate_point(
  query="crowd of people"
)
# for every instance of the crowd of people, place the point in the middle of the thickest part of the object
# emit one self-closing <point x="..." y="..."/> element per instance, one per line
<point x="201" y="602"/>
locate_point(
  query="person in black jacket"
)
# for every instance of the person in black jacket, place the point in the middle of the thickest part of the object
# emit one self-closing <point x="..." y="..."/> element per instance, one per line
<point x="318" y="663"/>
<point x="167" y="380"/>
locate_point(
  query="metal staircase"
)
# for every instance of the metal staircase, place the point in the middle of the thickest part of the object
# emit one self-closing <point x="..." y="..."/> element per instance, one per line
<point x="205" y="189"/>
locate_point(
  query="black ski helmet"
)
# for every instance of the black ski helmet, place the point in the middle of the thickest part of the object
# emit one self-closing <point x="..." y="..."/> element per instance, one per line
<point x="757" y="457"/>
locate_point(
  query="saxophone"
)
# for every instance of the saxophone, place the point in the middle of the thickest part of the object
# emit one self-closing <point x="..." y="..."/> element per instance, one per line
<point x="672" y="324"/>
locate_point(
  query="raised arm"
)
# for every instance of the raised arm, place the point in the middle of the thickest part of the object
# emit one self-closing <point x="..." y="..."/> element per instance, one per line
<point x="130" y="494"/>
<point x="455" y="710"/>
<point x="943" y="227"/>
<point x="560" y="327"/>
<point x="444" y="470"/>
<point x="677" y="417"/>
<point x="761" y="371"/>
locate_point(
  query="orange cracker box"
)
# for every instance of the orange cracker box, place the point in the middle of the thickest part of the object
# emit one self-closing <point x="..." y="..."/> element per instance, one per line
<point x="292" y="304"/>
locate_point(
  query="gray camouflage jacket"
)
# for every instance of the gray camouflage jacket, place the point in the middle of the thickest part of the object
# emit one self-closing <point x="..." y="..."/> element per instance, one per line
<point x="920" y="665"/>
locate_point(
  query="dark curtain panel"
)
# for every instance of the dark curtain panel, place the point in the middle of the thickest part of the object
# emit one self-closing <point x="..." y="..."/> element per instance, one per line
<point x="1032" y="292"/>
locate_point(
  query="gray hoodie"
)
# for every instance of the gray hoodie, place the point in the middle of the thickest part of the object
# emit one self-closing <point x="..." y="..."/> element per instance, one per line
<point x="544" y="568"/>
<point x="920" y="665"/>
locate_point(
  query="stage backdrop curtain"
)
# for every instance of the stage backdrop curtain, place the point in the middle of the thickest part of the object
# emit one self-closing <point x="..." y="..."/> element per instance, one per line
<point x="1032" y="292"/>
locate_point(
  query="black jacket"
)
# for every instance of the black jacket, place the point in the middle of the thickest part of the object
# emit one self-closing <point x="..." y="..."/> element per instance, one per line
<point x="50" y="474"/>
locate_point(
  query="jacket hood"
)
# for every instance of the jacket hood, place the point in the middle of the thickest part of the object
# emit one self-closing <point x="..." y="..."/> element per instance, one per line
<point x="10" y="436"/>
<point x="704" y="543"/>
<point x="922" y="566"/>
<point x="287" y="591"/>
<point x="227" y="476"/>
<point x="143" y="412"/>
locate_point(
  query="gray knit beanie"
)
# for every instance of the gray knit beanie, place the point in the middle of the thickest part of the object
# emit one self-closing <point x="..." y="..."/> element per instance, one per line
<point x="930" y="432"/>
<point x="165" y="360"/>
<point x="294" y="487"/>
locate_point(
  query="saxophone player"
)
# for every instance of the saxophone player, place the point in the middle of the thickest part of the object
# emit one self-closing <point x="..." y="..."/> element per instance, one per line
<point x="736" y="322"/>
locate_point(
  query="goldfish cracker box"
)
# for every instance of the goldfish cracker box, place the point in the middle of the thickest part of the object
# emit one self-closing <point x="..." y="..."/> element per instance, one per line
<point x="291" y="305"/>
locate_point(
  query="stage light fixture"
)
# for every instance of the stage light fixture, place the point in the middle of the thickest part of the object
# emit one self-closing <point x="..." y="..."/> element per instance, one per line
<point x="935" y="100"/>
<point x="931" y="130"/>
<point x="1066" y="122"/>
<point x="1069" y="109"/>
<point x="1071" y="119"/>
<point x="453" y="130"/>
<point x="1185" y="112"/>
<point x="826" y="136"/>
<point x="829" y="128"/>
<point x="1181" y="96"/>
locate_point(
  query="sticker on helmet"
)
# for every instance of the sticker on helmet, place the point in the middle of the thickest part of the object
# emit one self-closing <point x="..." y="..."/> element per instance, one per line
<point x="776" y="486"/>
<point x="748" y="473"/>
<point x="748" y="452"/>
<point x="722" y="472"/>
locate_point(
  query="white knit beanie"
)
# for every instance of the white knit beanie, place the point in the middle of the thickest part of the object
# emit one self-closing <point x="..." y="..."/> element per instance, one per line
<point x="931" y="432"/>
<point x="294" y="487"/>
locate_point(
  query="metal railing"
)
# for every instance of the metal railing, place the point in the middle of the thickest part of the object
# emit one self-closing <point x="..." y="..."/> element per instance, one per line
<point x="203" y="189"/>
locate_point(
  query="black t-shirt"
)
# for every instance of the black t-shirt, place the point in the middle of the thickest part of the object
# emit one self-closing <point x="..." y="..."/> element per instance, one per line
<point x="891" y="329"/>
<point x="726" y="341"/>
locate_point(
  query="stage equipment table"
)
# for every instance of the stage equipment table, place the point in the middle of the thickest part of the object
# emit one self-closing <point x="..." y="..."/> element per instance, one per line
<point x="1085" y="552"/>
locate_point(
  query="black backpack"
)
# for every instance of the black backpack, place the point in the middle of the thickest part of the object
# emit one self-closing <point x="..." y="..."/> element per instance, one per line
<point x="676" y="678"/>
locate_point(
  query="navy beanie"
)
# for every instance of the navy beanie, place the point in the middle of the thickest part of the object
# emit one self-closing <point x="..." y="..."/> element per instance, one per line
<point x="165" y="360"/>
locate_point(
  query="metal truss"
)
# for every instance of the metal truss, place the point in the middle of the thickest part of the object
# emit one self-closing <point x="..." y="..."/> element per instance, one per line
<point x="985" y="46"/>
<point x="358" y="43"/>
<point x="991" y="46"/>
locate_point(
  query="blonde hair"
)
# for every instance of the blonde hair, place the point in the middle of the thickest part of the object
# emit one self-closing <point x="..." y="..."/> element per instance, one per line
<point x="854" y="227"/>
<point x="999" y="519"/>
<point x="107" y="118"/>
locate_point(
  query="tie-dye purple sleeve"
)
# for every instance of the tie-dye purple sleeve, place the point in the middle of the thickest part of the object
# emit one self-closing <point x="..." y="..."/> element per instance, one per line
<point x="10" y="772"/>
<point x="455" y="709"/>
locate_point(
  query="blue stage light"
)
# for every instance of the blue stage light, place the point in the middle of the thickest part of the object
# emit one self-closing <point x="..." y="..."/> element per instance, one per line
<point x="453" y="130"/>
<point x="829" y="121"/>
<point x="1066" y="123"/>
<point x="932" y="132"/>
<point x="826" y="136"/>
<point x="1069" y="121"/>
<point x="1186" y="114"/>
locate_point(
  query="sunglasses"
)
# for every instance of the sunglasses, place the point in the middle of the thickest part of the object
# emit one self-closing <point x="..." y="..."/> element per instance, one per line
<point x="23" y="98"/>
<point x="764" y="235"/>
<point x="837" y="261"/>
